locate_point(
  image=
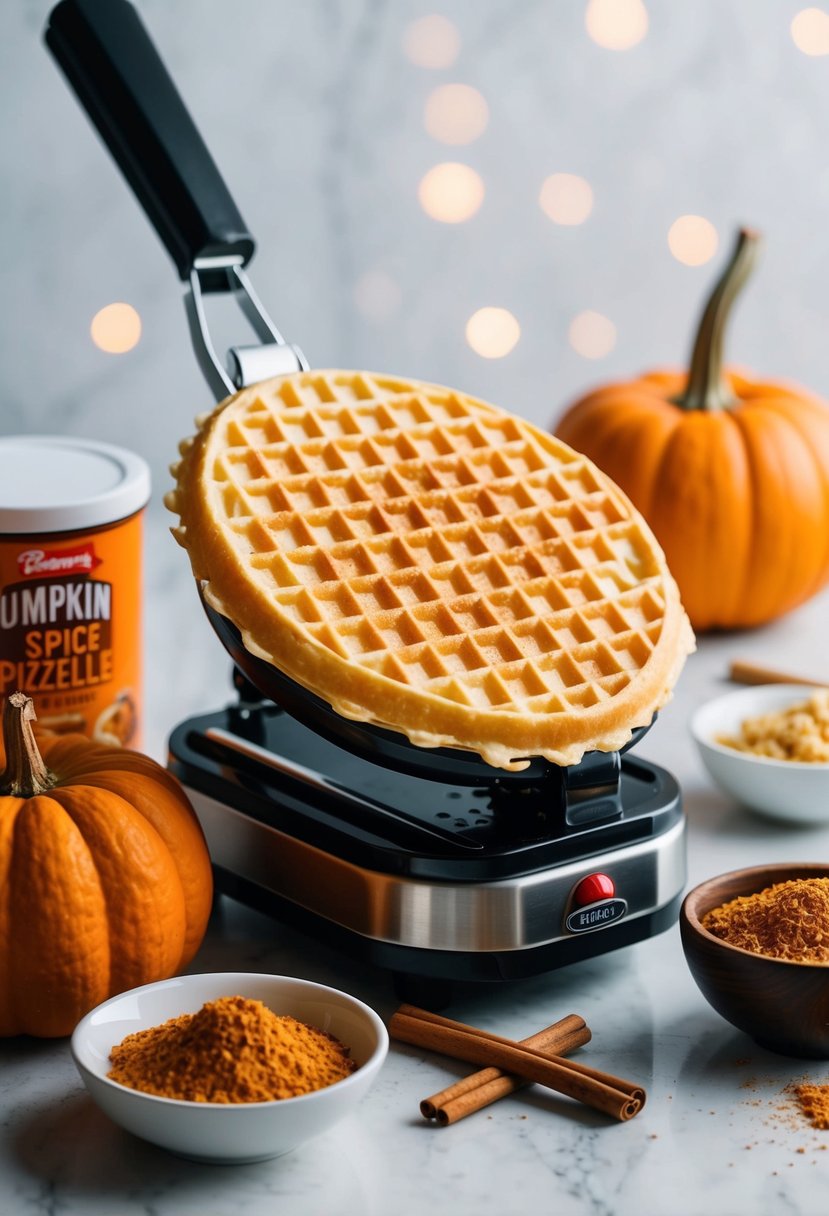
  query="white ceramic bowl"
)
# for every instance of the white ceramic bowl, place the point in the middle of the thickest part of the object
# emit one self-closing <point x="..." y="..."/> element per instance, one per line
<point x="251" y="1131"/>
<point x="781" y="789"/>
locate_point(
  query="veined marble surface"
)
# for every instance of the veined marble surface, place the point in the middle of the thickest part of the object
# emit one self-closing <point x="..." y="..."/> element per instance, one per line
<point x="316" y="120"/>
<point x="719" y="1134"/>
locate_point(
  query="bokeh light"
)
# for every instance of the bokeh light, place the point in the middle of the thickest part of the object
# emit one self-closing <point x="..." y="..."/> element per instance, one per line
<point x="592" y="335"/>
<point x="693" y="240"/>
<point x="566" y="198"/>
<point x="616" y="25"/>
<point x="810" y="31"/>
<point x="116" y="328"/>
<point x="432" y="42"/>
<point x="456" y="114"/>
<point x="451" y="193"/>
<point x="492" y="332"/>
<point x="377" y="295"/>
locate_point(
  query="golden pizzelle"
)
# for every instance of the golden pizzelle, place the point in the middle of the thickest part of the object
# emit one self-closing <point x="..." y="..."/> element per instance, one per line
<point x="426" y="562"/>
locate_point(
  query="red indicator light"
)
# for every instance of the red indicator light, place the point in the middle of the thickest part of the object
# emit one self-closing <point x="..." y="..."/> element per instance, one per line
<point x="594" y="888"/>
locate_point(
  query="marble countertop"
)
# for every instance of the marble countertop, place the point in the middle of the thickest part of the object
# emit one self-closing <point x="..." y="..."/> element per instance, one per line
<point x="719" y="1132"/>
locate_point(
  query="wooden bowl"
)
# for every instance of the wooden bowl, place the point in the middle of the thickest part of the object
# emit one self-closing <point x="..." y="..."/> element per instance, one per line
<point x="783" y="1005"/>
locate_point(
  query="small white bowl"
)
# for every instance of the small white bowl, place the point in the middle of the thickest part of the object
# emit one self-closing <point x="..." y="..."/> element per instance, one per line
<point x="781" y="789"/>
<point x="251" y="1131"/>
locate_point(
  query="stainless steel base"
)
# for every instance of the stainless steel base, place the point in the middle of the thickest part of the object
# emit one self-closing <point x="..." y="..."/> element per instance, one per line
<point x="513" y="914"/>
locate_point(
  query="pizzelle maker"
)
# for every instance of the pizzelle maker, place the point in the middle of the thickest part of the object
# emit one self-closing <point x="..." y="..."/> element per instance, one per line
<point x="427" y="862"/>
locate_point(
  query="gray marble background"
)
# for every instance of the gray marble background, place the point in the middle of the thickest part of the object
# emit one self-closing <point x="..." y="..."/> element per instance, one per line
<point x="315" y="117"/>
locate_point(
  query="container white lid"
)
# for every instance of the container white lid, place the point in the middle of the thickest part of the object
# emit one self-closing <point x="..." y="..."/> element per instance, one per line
<point x="52" y="483"/>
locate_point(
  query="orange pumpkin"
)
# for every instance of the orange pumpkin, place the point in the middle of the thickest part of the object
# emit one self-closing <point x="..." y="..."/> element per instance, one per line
<point x="105" y="879"/>
<point x="732" y="473"/>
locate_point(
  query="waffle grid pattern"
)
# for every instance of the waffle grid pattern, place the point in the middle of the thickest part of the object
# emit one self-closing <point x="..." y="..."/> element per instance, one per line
<point x="438" y="542"/>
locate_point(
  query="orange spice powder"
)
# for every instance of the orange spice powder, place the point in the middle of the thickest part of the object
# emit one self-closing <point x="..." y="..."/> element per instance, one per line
<point x="789" y="920"/>
<point x="233" y="1050"/>
<point x="814" y="1102"/>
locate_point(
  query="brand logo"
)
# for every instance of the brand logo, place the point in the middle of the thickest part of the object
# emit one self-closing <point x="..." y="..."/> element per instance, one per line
<point x="596" y="916"/>
<point x="47" y="563"/>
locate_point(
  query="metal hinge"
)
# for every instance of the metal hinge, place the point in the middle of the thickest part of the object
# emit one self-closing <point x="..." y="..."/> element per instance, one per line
<point x="245" y="365"/>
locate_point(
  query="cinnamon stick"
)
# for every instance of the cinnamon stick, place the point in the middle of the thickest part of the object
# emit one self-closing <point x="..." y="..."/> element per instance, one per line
<point x="481" y="1088"/>
<point x="611" y="1095"/>
<point x="742" y="672"/>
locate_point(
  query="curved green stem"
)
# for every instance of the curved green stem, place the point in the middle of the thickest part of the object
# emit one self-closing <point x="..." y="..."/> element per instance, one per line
<point x="25" y="774"/>
<point x="706" y="389"/>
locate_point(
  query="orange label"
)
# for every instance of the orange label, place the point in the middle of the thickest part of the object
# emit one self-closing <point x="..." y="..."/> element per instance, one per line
<point x="70" y="628"/>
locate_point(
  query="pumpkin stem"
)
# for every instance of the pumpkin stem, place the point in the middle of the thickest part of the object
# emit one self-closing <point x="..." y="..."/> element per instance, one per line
<point x="25" y="774"/>
<point x="706" y="389"/>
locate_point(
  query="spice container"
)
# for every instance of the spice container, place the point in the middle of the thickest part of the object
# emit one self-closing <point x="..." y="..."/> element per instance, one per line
<point x="70" y="583"/>
<point x="229" y="1131"/>
<point x="782" y="1003"/>
<point x="785" y="789"/>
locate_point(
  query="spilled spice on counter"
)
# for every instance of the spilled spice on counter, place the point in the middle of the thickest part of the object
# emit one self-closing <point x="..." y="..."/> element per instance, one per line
<point x="233" y="1050"/>
<point x="814" y="1102"/>
<point x="789" y="920"/>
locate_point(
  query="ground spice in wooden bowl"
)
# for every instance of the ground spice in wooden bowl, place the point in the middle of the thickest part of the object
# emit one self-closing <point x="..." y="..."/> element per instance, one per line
<point x="233" y="1050"/>
<point x="789" y="920"/>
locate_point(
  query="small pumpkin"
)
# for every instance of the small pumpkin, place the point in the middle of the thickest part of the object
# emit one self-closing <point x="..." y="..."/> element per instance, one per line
<point x="105" y="879"/>
<point x="731" y="472"/>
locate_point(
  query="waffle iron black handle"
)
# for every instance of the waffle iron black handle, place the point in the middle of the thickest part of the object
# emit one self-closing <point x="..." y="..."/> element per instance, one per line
<point x="111" y="63"/>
